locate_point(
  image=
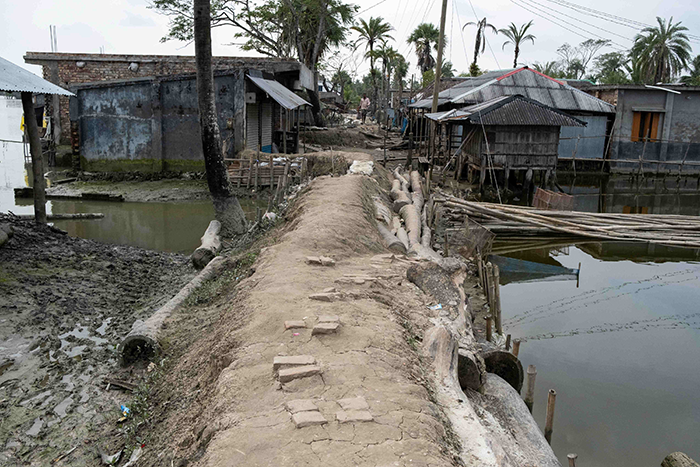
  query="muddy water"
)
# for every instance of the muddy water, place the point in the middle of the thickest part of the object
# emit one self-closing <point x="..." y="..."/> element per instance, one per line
<point x="622" y="349"/>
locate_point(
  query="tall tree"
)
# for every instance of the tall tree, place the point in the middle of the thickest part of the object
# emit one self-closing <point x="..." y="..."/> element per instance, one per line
<point x="663" y="51"/>
<point x="517" y="36"/>
<point x="425" y="38"/>
<point x="400" y="73"/>
<point x="611" y="68"/>
<point x="574" y="61"/>
<point x="480" y="40"/>
<point x="388" y="56"/>
<point x="693" y="79"/>
<point x="301" y="29"/>
<point x="372" y="33"/>
<point x="226" y="206"/>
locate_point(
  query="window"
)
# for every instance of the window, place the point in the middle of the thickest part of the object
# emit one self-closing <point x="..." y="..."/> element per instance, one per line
<point x="645" y="126"/>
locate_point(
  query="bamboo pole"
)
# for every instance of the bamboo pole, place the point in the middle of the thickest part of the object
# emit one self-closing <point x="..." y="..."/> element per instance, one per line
<point x="508" y="342"/>
<point x="272" y="172"/>
<point x="497" y="298"/>
<point x="492" y="288"/>
<point x="530" y="392"/>
<point x="250" y="171"/>
<point x="488" y="328"/>
<point x="257" y="169"/>
<point x="549" y="422"/>
<point x="516" y="347"/>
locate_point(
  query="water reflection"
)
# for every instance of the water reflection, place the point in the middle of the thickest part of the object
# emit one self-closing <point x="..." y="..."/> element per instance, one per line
<point x="622" y="350"/>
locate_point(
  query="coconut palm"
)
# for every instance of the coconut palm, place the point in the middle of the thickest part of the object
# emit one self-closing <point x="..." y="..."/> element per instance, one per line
<point x="372" y="32"/>
<point x="388" y="55"/>
<point x="425" y="38"/>
<point x="480" y="42"/>
<point x="517" y="36"/>
<point x="663" y="51"/>
<point x="693" y="79"/>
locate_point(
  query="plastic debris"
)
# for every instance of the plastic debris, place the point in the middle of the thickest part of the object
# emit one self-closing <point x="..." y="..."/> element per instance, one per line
<point x="111" y="460"/>
<point x="136" y="455"/>
<point x="436" y="307"/>
<point x="295" y="334"/>
<point x="125" y="413"/>
<point x="361" y="167"/>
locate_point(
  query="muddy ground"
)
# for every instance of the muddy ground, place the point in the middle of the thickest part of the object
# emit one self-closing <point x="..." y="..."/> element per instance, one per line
<point x="138" y="190"/>
<point x="64" y="305"/>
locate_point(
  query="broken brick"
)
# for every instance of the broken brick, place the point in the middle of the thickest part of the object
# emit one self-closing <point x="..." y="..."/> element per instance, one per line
<point x="302" y="419"/>
<point x="324" y="328"/>
<point x="292" y="360"/>
<point x="348" y="416"/>
<point x="301" y="405"/>
<point x="294" y="324"/>
<point x="353" y="403"/>
<point x="290" y="374"/>
<point x="328" y="319"/>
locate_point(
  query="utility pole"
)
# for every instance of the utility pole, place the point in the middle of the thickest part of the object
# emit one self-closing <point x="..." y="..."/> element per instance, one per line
<point x="438" y="72"/>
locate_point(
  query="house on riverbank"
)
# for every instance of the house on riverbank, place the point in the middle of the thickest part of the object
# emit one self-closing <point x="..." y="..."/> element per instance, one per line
<point x="653" y="123"/>
<point x="150" y="123"/>
<point x="580" y="142"/>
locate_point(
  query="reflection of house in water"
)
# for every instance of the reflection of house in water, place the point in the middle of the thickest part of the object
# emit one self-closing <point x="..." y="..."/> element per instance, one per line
<point x="657" y="123"/>
<point x="641" y="195"/>
<point x="639" y="252"/>
<point x="536" y="268"/>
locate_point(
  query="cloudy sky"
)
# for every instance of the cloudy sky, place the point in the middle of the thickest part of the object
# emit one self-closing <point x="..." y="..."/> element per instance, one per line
<point x="128" y="26"/>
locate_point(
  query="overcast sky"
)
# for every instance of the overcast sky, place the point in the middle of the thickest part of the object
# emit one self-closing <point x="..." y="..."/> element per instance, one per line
<point x="128" y="26"/>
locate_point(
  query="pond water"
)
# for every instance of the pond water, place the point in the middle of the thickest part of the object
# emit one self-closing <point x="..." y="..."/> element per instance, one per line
<point x="622" y="349"/>
<point x="173" y="226"/>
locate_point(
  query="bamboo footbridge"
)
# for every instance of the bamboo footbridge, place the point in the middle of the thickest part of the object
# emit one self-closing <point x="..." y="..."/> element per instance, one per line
<point x="521" y="223"/>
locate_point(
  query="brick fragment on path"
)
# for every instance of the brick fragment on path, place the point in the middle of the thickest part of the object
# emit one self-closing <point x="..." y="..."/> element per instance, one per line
<point x="353" y="403"/>
<point x="290" y="374"/>
<point x="350" y="416"/>
<point x="294" y="325"/>
<point x="325" y="296"/>
<point x="302" y="419"/>
<point x="292" y="360"/>
<point x="326" y="261"/>
<point x="301" y="405"/>
<point x="324" y="328"/>
<point x="328" y="319"/>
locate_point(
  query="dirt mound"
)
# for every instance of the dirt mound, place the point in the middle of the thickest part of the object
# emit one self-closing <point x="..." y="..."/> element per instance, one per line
<point x="365" y="397"/>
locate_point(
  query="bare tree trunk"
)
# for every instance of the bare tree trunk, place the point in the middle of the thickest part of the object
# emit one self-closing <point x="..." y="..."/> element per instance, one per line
<point x="226" y="206"/>
<point x="37" y="161"/>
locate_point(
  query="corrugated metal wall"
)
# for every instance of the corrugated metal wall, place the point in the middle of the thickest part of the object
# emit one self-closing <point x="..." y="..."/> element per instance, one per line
<point x="592" y="142"/>
<point x="267" y="127"/>
<point x="251" y="133"/>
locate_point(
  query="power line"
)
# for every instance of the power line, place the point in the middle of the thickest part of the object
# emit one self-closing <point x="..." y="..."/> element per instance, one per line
<point x="580" y="20"/>
<point x="554" y="22"/>
<point x="636" y="25"/>
<point x="369" y="8"/>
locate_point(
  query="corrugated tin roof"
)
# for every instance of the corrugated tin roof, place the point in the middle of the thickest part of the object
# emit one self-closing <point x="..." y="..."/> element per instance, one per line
<point x="523" y="81"/>
<point x="509" y="110"/>
<point x="279" y="93"/>
<point x="14" y="78"/>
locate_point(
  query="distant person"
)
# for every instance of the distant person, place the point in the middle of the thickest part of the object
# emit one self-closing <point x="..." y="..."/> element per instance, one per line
<point x="364" y="107"/>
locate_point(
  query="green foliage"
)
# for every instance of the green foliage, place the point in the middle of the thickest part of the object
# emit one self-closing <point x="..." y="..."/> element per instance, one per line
<point x="425" y="38"/>
<point x="662" y="52"/>
<point x="474" y="70"/>
<point x="693" y="79"/>
<point x="574" y="61"/>
<point x="611" y="68"/>
<point x="428" y="77"/>
<point x="551" y="69"/>
<point x="276" y="28"/>
<point x="447" y="70"/>
<point x="516" y="36"/>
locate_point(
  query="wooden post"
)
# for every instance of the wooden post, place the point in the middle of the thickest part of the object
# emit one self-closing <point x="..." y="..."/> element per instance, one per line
<point x="258" y="214"/>
<point x="447" y="245"/>
<point x="530" y="391"/>
<point x="516" y="347"/>
<point x="283" y="182"/>
<point x="573" y="155"/>
<point x="641" y="157"/>
<point x="37" y="161"/>
<point x="409" y="158"/>
<point x="488" y="327"/>
<point x="497" y="298"/>
<point x="284" y="130"/>
<point x="551" y="399"/>
<point x="332" y="162"/>
<point x="279" y="182"/>
<point x="492" y="288"/>
<point x="272" y="172"/>
<point x="508" y="342"/>
<point x="572" y="459"/>
<point x="257" y="170"/>
<point x="287" y="177"/>
<point x="680" y="167"/>
<point x="386" y="134"/>
<point x="250" y="171"/>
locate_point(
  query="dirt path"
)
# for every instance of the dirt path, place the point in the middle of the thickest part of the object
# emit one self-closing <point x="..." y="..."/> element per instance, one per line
<point x="364" y="401"/>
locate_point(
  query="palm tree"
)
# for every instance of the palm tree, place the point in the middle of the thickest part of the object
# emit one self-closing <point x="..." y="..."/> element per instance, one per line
<point x="400" y="73"/>
<point x="663" y="51"/>
<point x="517" y="37"/>
<point x="480" y="42"/>
<point x="371" y="33"/>
<point x="551" y="69"/>
<point x="693" y="79"/>
<point x="425" y="37"/>
<point x="388" y="56"/>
